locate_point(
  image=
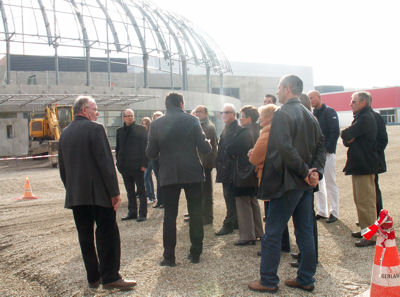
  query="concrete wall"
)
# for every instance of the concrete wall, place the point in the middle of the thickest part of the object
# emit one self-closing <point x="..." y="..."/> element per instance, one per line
<point x="18" y="144"/>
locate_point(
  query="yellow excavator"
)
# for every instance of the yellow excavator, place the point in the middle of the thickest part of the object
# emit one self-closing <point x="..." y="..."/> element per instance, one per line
<point x="45" y="131"/>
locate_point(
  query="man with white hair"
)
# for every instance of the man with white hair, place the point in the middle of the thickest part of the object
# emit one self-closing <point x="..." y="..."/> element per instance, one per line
<point x="362" y="162"/>
<point x="329" y="123"/>
<point x="225" y="166"/>
<point x="88" y="174"/>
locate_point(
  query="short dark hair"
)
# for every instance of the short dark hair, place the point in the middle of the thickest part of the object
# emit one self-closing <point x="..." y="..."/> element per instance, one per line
<point x="272" y="97"/>
<point x="173" y="100"/>
<point x="250" y="112"/>
<point x="294" y="82"/>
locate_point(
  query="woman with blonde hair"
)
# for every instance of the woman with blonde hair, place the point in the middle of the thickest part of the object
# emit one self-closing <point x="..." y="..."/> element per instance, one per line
<point x="257" y="154"/>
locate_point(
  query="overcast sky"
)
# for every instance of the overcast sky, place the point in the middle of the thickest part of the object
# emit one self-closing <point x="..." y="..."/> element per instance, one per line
<point x="355" y="43"/>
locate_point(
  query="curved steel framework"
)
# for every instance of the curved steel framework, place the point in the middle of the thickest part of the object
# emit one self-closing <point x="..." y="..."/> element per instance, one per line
<point x="114" y="28"/>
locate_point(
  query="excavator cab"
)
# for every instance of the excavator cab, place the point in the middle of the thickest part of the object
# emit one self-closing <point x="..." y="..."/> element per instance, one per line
<point x="47" y="130"/>
<point x="65" y="115"/>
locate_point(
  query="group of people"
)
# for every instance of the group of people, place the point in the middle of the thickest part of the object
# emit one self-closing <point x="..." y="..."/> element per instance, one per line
<point x="283" y="156"/>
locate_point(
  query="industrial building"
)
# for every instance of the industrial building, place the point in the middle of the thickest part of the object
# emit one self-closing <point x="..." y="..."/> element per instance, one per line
<point x="127" y="54"/>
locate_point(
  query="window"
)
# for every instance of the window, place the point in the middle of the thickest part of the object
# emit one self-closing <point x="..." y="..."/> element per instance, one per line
<point x="10" y="131"/>
<point x="233" y="92"/>
<point x="389" y="116"/>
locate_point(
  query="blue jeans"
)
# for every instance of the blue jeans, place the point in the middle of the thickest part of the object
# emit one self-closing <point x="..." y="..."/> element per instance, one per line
<point x="148" y="182"/>
<point x="296" y="203"/>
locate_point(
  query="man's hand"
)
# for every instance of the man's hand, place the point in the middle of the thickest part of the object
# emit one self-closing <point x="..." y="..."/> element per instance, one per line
<point x="116" y="202"/>
<point x="143" y="168"/>
<point x="312" y="178"/>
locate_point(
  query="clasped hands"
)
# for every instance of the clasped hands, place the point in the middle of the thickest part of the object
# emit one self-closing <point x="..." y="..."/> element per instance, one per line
<point x="312" y="178"/>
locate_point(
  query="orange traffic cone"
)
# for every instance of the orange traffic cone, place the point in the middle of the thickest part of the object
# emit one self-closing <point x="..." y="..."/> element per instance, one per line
<point x="28" y="195"/>
<point x="385" y="279"/>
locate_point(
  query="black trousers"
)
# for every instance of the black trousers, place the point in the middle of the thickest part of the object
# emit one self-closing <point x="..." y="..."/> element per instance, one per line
<point x="105" y="265"/>
<point x="207" y="197"/>
<point x="171" y="195"/>
<point x="379" y="204"/>
<point x="230" y="202"/>
<point x="130" y="180"/>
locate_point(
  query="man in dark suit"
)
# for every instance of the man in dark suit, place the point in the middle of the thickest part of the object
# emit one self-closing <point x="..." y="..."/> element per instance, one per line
<point x="130" y="153"/>
<point x="88" y="173"/>
<point x="208" y="162"/>
<point x="176" y="139"/>
<point x="225" y="166"/>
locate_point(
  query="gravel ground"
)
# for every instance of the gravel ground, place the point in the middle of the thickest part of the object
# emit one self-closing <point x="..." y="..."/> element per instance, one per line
<point x="40" y="255"/>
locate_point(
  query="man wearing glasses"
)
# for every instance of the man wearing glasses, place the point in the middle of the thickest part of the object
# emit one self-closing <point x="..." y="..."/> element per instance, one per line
<point x="225" y="166"/>
<point x="362" y="161"/>
<point x="131" y="158"/>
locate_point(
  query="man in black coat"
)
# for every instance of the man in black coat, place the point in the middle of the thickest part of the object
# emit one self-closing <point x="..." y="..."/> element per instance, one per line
<point x="176" y="139"/>
<point x="328" y="189"/>
<point x="362" y="161"/>
<point x="225" y="168"/>
<point x="88" y="173"/>
<point x="293" y="165"/>
<point x="130" y="152"/>
<point x="208" y="162"/>
<point x="381" y="143"/>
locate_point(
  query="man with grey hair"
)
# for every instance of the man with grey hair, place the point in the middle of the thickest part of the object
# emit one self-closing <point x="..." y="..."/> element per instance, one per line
<point x="130" y="153"/>
<point x="293" y="166"/>
<point x="362" y="161"/>
<point x="225" y="166"/>
<point x="88" y="173"/>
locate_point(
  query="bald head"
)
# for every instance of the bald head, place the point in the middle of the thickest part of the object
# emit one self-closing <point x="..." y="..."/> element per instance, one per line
<point x="315" y="99"/>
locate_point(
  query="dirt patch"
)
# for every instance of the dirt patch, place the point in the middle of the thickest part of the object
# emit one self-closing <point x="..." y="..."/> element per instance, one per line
<point x="40" y="254"/>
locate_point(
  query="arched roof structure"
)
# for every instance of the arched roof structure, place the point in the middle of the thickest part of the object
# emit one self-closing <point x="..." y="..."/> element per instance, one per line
<point x="111" y="28"/>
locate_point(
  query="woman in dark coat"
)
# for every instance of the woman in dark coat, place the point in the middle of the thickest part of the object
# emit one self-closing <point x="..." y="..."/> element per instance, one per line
<point x="245" y="180"/>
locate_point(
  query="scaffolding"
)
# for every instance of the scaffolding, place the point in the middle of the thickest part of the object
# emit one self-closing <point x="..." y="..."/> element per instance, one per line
<point x="147" y="37"/>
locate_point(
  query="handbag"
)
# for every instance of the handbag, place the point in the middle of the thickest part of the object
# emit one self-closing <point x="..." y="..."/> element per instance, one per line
<point x="244" y="173"/>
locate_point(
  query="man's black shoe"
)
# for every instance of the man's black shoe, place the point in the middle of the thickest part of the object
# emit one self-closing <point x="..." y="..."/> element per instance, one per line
<point x="161" y="206"/>
<point x="363" y="243"/>
<point x="141" y="219"/>
<point x="259" y="253"/>
<point x="356" y="234"/>
<point x="317" y="217"/>
<point x="129" y="217"/>
<point x="294" y="264"/>
<point x="331" y="219"/>
<point x="295" y="255"/>
<point x="169" y="263"/>
<point x="193" y="259"/>
<point x="156" y="206"/>
<point x="223" y="231"/>
<point x="94" y="285"/>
